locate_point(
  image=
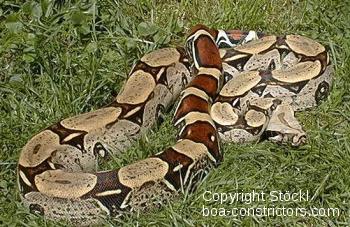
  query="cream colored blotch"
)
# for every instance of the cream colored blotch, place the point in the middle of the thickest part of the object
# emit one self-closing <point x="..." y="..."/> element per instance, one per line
<point x="146" y="170"/>
<point x="39" y="148"/>
<point x="57" y="183"/>
<point x="241" y="84"/>
<point x="92" y="120"/>
<point x="137" y="88"/>
<point x="234" y="57"/>
<point x="87" y="212"/>
<point x="304" y="45"/>
<point x="24" y="178"/>
<point x="193" y="150"/>
<point x="222" y="52"/>
<point x="210" y="72"/>
<point x="300" y="72"/>
<point x="263" y="103"/>
<point x="194" y="91"/>
<point x="255" y="118"/>
<point x="257" y="46"/>
<point x="161" y="57"/>
<point x="223" y="114"/>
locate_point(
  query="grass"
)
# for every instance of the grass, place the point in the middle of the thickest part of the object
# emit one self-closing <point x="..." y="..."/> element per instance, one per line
<point x="58" y="61"/>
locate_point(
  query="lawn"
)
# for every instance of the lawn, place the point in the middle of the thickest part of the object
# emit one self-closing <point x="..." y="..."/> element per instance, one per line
<point x="58" y="60"/>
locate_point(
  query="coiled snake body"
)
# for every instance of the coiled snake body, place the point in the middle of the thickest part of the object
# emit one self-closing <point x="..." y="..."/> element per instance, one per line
<point x="233" y="86"/>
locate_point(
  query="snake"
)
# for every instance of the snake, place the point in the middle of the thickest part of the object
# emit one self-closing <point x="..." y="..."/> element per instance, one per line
<point x="226" y="86"/>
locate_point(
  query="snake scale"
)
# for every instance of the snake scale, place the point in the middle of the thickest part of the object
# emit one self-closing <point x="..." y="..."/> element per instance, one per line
<point x="230" y="85"/>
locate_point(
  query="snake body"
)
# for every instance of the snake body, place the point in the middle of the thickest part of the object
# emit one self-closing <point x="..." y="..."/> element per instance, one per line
<point x="233" y="86"/>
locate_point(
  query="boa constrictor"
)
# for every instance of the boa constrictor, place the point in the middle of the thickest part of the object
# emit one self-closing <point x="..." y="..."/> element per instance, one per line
<point x="233" y="85"/>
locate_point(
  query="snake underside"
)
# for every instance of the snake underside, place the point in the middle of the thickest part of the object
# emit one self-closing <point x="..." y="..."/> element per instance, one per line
<point x="230" y="85"/>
